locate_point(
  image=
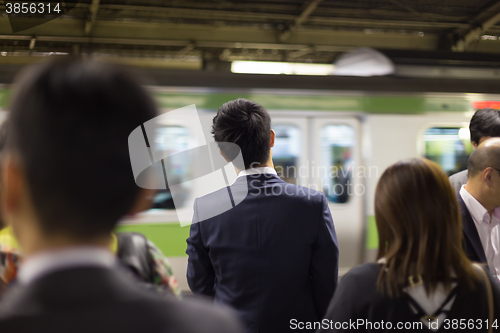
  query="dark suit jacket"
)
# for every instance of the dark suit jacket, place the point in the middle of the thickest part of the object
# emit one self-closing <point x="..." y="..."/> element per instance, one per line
<point x="95" y="299"/>
<point x="273" y="257"/>
<point x="471" y="242"/>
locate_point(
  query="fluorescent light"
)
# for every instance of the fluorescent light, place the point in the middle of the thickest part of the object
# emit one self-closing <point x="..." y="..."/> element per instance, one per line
<point x="269" y="67"/>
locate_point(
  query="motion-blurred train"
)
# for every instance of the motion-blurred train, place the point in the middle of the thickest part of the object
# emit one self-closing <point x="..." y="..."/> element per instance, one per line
<point x="336" y="142"/>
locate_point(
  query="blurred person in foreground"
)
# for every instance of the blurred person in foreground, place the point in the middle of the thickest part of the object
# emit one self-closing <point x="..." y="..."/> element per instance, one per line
<point x="66" y="181"/>
<point x="9" y="253"/>
<point x="422" y="278"/>
<point x="274" y="256"/>
<point x="479" y="201"/>
<point x="143" y="259"/>
<point x="485" y="124"/>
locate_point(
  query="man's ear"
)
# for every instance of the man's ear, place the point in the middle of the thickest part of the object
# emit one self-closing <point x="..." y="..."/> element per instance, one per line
<point x="12" y="184"/>
<point x="273" y="136"/>
<point x="143" y="202"/>
<point x="487" y="175"/>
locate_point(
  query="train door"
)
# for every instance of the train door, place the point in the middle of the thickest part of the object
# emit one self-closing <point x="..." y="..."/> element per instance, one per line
<point x="290" y="149"/>
<point x="161" y="224"/>
<point x="336" y="169"/>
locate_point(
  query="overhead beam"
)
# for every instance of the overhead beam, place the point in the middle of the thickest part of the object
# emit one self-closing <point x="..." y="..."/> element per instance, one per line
<point x="187" y="45"/>
<point x="252" y="12"/>
<point x="187" y="48"/>
<point x="481" y="23"/>
<point x="207" y="14"/>
<point x="178" y="36"/>
<point x="300" y="53"/>
<point x="94" y="8"/>
<point x="32" y="43"/>
<point x="221" y="15"/>
<point x="308" y="9"/>
<point x="406" y="7"/>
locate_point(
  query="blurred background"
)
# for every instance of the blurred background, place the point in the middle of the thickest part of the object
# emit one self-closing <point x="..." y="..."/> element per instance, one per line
<point x="352" y="85"/>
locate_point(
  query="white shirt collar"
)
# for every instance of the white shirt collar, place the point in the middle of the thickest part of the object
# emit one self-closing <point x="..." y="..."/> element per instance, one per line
<point x="44" y="263"/>
<point x="476" y="210"/>
<point x="257" y="171"/>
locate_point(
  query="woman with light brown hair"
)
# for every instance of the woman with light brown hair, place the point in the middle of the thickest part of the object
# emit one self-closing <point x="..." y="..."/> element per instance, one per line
<point x="422" y="279"/>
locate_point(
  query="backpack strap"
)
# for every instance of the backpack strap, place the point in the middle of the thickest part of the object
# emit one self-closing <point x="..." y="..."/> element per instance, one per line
<point x="489" y="295"/>
<point x="133" y="253"/>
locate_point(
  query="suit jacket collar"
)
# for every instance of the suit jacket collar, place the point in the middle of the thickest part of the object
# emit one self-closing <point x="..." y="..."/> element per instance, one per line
<point x="257" y="171"/>
<point x="258" y="180"/>
<point x="78" y="256"/>
<point x="470" y="231"/>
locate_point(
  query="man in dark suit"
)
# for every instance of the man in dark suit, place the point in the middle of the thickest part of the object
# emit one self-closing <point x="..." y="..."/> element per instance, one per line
<point x="479" y="202"/>
<point x="66" y="181"/>
<point x="485" y="124"/>
<point x="273" y="256"/>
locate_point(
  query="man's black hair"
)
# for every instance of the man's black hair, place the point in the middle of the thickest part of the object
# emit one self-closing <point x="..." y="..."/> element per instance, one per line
<point x="484" y="123"/>
<point x="69" y="125"/>
<point x="248" y="125"/>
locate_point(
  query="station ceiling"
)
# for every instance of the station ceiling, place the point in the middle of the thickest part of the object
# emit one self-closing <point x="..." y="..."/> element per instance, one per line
<point x="195" y="34"/>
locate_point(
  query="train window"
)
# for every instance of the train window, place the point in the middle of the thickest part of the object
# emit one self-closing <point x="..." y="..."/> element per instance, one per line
<point x="171" y="140"/>
<point x="286" y="152"/>
<point x="449" y="147"/>
<point x="337" y="144"/>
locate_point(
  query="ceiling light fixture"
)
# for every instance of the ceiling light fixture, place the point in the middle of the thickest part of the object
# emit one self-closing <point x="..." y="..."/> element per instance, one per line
<point x="290" y="68"/>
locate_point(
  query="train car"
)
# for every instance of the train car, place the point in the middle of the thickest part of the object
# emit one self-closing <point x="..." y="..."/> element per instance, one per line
<point x="339" y="143"/>
<point x="336" y="142"/>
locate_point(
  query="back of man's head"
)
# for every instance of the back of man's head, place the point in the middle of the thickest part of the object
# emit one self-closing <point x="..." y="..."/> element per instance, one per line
<point x="69" y="127"/>
<point x="487" y="155"/>
<point x="248" y="125"/>
<point x="485" y="123"/>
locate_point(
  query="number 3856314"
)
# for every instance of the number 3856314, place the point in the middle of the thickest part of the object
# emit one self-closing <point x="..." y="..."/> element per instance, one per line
<point x="32" y="8"/>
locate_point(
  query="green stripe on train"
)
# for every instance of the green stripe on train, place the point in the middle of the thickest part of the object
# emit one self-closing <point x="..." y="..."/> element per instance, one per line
<point x="283" y="101"/>
<point x="371" y="234"/>
<point x="170" y="238"/>
<point x="304" y="102"/>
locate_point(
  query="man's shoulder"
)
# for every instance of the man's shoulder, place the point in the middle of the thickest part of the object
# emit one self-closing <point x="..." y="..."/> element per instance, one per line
<point x="203" y="316"/>
<point x="213" y="196"/>
<point x="128" y="311"/>
<point x="241" y="189"/>
<point x="190" y="315"/>
<point x="299" y="191"/>
<point x="460" y="175"/>
<point x="458" y="179"/>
